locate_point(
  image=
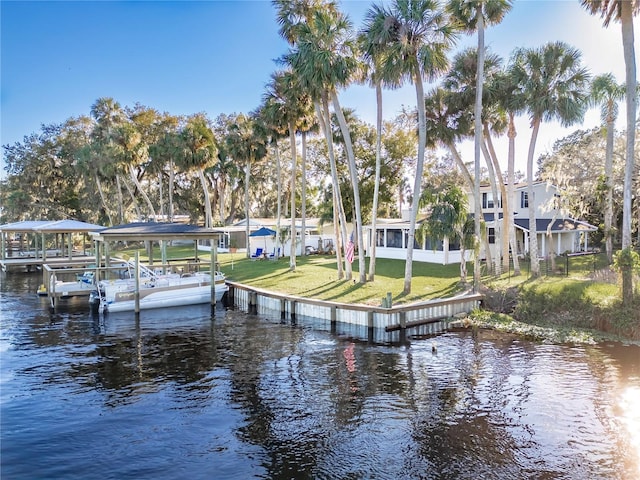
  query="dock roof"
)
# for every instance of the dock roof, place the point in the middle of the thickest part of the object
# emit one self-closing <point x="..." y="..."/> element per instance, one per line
<point x="50" y="226"/>
<point x="155" y="231"/>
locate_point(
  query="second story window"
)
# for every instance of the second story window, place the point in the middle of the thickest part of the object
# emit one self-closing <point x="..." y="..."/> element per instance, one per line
<point x="487" y="200"/>
<point x="524" y="200"/>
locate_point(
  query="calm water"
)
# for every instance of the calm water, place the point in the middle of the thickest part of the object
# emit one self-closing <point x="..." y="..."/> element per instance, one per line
<point x="184" y="394"/>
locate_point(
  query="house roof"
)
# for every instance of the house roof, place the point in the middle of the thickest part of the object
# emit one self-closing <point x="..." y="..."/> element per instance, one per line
<point x="558" y="225"/>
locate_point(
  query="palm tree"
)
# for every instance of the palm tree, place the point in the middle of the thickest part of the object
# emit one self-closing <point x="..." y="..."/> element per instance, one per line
<point x="373" y="38"/>
<point x="199" y="152"/>
<point x="507" y="96"/>
<point x="473" y="15"/>
<point x="108" y="115"/>
<point x="624" y="11"/>
<point x="606" y="93"/>
<point x="418" y="35"/>
<point x="448" y="219"/>
<point x="324" y="59"/>
<point x="461" y="83"/>
<point x="295" y="107"/>
<point x="133" y="152"/>
<point x="245" y="143"/>
<point x="272" y="114"/>
<point x="555" y="86"/>
<point x="294" y="17"/>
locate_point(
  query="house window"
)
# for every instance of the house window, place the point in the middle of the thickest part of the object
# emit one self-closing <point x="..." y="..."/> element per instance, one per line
<point x="394" y="238"/>
<point x="524" y="200"/>
<point x="491" y="233"/>
<point x="487" y="200"/>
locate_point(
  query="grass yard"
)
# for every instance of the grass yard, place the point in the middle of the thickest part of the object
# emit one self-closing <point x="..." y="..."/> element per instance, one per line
<point x="316" y="277"/>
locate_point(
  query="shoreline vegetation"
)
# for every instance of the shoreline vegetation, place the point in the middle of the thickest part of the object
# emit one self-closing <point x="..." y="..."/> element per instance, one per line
<point x="578" y="309"/>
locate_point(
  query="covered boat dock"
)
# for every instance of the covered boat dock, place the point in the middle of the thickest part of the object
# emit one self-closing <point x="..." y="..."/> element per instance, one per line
<point x="25" y="245"/>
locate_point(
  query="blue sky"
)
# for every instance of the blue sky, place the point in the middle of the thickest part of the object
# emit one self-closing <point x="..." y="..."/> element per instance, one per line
<point x="185" y="57"/>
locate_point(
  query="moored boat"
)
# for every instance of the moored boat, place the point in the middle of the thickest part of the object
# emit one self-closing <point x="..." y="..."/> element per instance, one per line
<point x="157" y="291"/>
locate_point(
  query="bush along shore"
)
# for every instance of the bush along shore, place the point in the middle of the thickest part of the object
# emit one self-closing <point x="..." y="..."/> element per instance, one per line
<point x="558" y="310"/>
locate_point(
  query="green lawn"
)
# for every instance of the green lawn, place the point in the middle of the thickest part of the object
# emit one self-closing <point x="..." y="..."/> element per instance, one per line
<point x="316" y="277"/>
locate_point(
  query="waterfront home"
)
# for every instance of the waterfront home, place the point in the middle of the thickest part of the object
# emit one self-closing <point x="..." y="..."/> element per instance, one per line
<point x="556" y="231"/>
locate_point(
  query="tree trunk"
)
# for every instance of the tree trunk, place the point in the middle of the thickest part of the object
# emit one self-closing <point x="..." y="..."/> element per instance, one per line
<point x="376" y="188"/>
<point x="292" y="230"/>
<point x="207" y="200"/>
<point x="463" y="168"/>
<point x="533" y="235"/>
<point x="422" y="141"/>
<point x="511" y="194"/>
<point x="477" y="139"/>
<point x="339" y="221"/>
<point x="120" y="199"/>
<point x="303" y="211"/>
<point x="160" y="196"/>
<point x="103" y="200"/>
<point x="134" y="179"/>
<point x="247" y="175"/>
<point x="626" y="18"/>
<point x="505" y="200"/>
<point x="354" y="183"/>
<point x="171" y="186"/>
<point x="279" y="186"/>
<point x="496" y="211"/>
<point x="608" y="173"/>
<point x="133" y="199"/>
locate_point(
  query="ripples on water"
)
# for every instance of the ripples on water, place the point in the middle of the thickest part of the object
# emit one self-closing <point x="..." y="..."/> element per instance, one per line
<point x="182" y="394"/>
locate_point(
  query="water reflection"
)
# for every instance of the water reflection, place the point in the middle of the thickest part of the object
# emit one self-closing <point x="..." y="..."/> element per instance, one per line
<point x="187" y="393"/>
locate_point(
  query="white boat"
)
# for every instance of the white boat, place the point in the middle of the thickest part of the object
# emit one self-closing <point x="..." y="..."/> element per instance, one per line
<point x="82" y="286"/>
<point x="157" y="291"/>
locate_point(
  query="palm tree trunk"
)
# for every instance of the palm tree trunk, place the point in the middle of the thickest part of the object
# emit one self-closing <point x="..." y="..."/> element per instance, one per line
<point x="608" y="173"/>
<point x="247" y="175"/>
<point x="354" y="183"/>
<point x="504" y="233"/>
<point x="120" y="199"/>
<point x="322" y="112"/>
<point x="171" y="186"/>
<point x="133" y="199"/>
<point x="103" y="200"/>
<point x="279" y="186"/>
<point x="207" y="199"/>
<point x="376" y="188"/>
<point x="626" y="18"/>
<point x="477" y="140"/>
<point x="294" y="161"/>
<point x="134" y="179"/>
<point x="511" y="193"/>
<point x="496" y="210"/>
<point x="463" y="168"/>
<point x="303" y="193"/>
<point x="422" y="141"/>
<point x="160" y="196"/>
<point x="533" y="235"/>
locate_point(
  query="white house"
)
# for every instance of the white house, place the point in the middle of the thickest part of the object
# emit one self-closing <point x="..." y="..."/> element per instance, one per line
<point x="566" y="234"/>
<point x="556" y="232"/>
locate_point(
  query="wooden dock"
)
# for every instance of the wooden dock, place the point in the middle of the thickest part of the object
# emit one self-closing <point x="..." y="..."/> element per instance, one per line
<point x="32" y="264"/>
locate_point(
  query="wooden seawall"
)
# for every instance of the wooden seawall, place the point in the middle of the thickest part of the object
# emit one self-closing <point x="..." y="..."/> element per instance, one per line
<point x="422" y="317"/>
